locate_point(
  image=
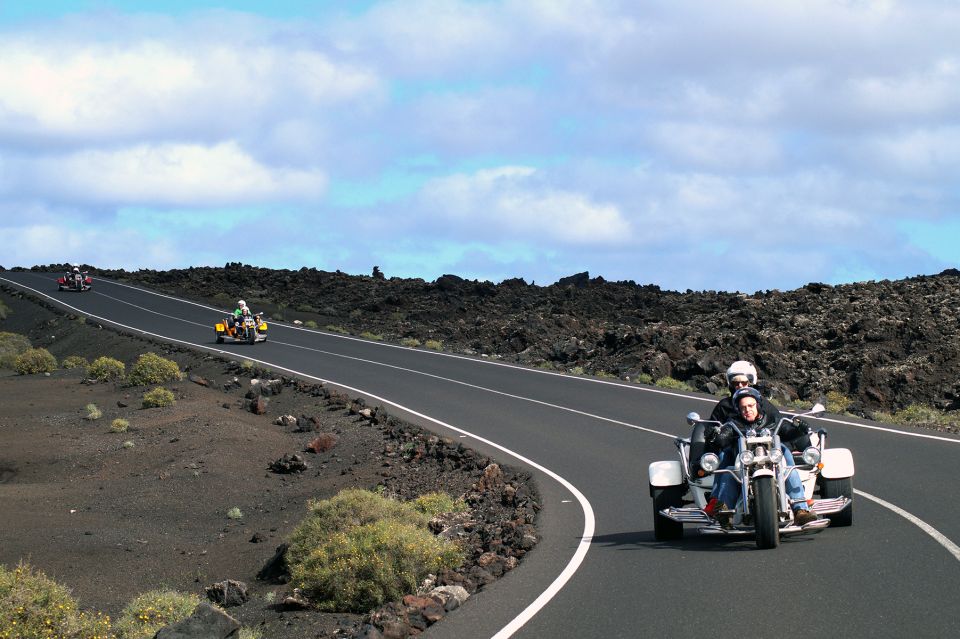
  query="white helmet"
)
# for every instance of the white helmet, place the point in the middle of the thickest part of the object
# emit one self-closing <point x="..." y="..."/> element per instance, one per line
<point x="242" y="304"/>
<point x="742" y="368"/>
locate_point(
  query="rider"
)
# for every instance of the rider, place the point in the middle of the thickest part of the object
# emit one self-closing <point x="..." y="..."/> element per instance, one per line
<point x="238" y="313"/>
<point x="752" y="414"/>
<point x="740" y="375"/>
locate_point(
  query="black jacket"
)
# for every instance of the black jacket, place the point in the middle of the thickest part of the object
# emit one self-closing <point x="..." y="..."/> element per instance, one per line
<point x="795" y="436"/>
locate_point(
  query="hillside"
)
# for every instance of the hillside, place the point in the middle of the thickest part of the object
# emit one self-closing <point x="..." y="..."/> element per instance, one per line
<point x="884" y="345"/>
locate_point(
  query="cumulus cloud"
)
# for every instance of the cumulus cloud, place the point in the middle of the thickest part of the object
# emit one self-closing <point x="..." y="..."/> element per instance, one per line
<point x="555" y="136"/>
<point x="166" y="174"/>
<point x="92" y="92"/>
<point x="509" y="202"/>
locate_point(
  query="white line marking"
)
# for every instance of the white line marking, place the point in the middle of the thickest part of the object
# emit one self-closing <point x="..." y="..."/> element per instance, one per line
<point x="939" y="537"/>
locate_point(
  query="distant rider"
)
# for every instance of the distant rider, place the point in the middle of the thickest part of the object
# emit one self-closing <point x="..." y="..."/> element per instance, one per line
<point x="238" y="313"/>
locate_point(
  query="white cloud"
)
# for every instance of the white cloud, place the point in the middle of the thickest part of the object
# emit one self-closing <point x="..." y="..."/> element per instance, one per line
<point x="714" y="146"/>
<point x="166" y="174"/>
<point x="151" y="88"/>
<point x="509" y="202"/>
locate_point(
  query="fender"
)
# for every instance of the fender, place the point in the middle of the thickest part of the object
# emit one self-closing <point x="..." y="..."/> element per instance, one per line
<point x="665" y="473"/>
<point x="220" y="328"/>
<point x="763" y="472"/>
<point x="837" y="463"/>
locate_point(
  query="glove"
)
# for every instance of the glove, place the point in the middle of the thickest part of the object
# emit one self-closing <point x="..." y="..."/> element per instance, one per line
<point x="725" y="437"/>
<point x="710" y="432"/>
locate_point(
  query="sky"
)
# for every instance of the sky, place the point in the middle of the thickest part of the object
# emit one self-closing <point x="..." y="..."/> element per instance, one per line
<point x="746" y="145"/>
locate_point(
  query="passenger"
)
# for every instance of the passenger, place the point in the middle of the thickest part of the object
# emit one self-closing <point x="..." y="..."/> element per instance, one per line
<point x="726" y="489"/>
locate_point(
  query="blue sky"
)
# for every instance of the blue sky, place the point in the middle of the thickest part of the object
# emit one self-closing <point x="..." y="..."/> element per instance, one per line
<point x="744" y="145"/>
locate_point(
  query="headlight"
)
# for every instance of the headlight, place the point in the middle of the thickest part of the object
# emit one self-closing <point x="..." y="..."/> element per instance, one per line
<point x="710" y="462"/>
<point x="765" y="432"/>
<point x="776" y="455"/>
<point x="746" y="457"/>
<point x="811" y="455"/>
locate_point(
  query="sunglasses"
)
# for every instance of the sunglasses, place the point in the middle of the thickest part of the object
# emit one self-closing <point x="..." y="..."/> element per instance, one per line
<point x="740" y="384"/>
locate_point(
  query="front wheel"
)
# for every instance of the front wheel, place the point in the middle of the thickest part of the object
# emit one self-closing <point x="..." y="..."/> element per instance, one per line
<point x="831" y="488"/>
<point x="765" y="517"/>
<point x="665" y="529"/>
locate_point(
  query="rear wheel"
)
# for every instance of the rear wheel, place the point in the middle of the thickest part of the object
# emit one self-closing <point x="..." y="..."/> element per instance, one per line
<point x="251" y="336"/>
<point x="831" y="488"/>
<point x="665" y="529"/>
<point x="219" y="337"/>
<point x="765" y="518"/>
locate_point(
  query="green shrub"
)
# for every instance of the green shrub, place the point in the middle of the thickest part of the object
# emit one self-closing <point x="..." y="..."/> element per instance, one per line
<point x="576" y="370"/>
<point x="410" y="342"/>
<point x="336" y="329"/>
<point x="434" y="345"/>
<point x="105" y="368"/>
<point x="306" y="308"/>
<point x="74" y="361"/>
<point x="235" y="513"/>
<point x="310" y="324"/>
<point x="128" y="444"/>
<point x="359" y="549"/>
<point x="604" y="375"/>
<point x="32" y="606"/>
<point x="674" y="384"/>
<point x="119" y="425"/>
<point x="433" y="504"/>
<point x="643" y="378"/>
<point x="374" y="336"/>
<point x="93" y="412"/>
<point x="150" y="368"/>
<point x="350" y="507"/>
<point x="365" y="566"/>
<point x="250" y="633"/>
<point x="11" y="346"/>
<point x="35" y="360"/>
<point x="837" y="402"/>
<point x="158" y="397"/>
<point x="151" y="611"/>
<point x="247" y="365"/>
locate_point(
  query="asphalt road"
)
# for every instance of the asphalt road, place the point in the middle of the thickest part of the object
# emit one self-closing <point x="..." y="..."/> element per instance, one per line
<point x="598" y="572"/>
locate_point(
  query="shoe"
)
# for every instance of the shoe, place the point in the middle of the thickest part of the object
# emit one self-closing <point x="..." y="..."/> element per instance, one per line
<point x="725" y="520"/>
<point x="711" y="507"/>
<point x="802" y="517"/>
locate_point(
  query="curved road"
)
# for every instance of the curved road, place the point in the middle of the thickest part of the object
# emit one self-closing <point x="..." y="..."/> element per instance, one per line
<point x="598" y="572"/>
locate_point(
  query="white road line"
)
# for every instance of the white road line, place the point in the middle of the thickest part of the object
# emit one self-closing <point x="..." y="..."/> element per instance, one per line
<point x="939" y="537"/>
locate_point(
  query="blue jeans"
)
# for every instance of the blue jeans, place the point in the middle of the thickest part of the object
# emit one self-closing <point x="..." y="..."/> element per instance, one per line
<point x="727" y="489"/>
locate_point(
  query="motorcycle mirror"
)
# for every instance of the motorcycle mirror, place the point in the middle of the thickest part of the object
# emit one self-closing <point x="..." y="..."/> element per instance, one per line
<point x="693" y="418"/>
<point x="818" y="410"/>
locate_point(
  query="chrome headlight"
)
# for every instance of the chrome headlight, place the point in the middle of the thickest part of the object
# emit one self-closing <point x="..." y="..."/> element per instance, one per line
<point x="776" y="455"/>
<point x="765" y="432"/>
<point x="811" y="455"/>
<point x="710" y="462"/>
<point x="746" y="457"/>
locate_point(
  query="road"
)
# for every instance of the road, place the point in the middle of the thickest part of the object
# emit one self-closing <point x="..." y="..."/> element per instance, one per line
<point x="597" y="571"/>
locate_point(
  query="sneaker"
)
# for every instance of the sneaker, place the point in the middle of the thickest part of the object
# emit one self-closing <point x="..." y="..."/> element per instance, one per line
<point x="711" y="507"/>
<point x="802" y="517"/>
